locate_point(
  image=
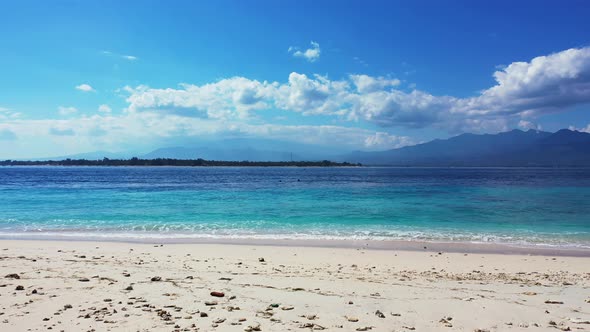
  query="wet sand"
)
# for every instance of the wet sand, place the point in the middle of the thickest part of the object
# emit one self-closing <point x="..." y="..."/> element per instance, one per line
<point x="117" y="286"/>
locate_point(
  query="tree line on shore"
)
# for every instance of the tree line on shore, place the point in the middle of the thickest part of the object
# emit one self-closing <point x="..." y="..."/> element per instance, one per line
<point x="171" y="162"/>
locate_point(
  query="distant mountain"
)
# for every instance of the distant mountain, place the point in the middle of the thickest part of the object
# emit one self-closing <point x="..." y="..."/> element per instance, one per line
<point x="246" y="149"/>
<point x="89" y="156"/>
<point x="221" y="154"/>
<point x="512" y="148"/>
<point x="239" y="149"/>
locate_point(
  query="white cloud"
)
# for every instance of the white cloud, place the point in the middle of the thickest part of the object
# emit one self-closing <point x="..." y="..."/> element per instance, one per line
<point x="149" y="129"/>
<point x="122" y="56"/>
<point x="240" y="106"/>
<point x="104" y="108"/>
<point x="524" y="91"/>
<point x="545" y="84"/>
<point x="525" y="125"/>
<point x="63" y="110"/>
<point x="85" y="87"/>
<point x="584" y="130"/>
<point x="382" y="140"/>
<point x="367" y="84"/>
<point x="228" y="98"/>
<point x="311" y="54"/>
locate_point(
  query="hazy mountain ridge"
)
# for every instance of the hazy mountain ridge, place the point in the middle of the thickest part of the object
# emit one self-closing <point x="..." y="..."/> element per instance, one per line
<point x="512" y="148"/>
<point x="228" y="150"/>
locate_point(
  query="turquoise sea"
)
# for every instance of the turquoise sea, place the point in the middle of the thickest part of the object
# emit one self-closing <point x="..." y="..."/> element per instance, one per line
<point x="520" y="206"/>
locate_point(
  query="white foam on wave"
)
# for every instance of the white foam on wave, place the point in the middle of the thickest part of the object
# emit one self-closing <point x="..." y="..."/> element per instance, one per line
<point x="366" y="235"/>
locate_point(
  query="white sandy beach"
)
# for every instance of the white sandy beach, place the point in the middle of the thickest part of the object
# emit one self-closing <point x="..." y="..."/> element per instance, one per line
<point x="102" y="286"/>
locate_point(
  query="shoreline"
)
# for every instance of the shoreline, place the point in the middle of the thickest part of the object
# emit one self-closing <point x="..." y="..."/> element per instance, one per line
<point x="381" y="245"/>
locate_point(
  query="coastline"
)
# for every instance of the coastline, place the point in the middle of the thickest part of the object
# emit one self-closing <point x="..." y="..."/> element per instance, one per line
<point x="386" y="245"/>
<point x="122" y="286"/>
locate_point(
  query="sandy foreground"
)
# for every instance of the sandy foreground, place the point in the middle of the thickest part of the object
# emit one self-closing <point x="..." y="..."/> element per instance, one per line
<point x="101" y="286"/>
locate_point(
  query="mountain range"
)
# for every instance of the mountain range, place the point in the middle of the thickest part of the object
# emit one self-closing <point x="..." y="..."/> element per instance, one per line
<point x="512" y="148"/>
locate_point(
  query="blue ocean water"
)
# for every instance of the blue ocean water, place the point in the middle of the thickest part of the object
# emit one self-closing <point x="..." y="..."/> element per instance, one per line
<point x="535" y="206"/>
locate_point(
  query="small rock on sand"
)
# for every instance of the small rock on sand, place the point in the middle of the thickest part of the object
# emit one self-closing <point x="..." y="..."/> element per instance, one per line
<point x="217" y="294"/>
<point x="156" y="279"/>
<point x="12" y="276"/>
<point x="251" y="328"/>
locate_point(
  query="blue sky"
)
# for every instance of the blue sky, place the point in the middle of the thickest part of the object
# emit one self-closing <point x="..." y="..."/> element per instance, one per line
<point x="79" y="76"/>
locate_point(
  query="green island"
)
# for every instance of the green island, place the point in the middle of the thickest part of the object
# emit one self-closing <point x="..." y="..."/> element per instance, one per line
<point x="174" y="162"/>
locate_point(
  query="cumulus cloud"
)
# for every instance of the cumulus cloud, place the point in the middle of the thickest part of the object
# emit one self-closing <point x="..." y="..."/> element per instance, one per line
<point x="381" y="140"/>
<point x="63" y="110"/>
<point x="85" y="88"/>
<point x="525" y="125"/>
<point x="523" y="91"/>
<point x="545" y="84"/>
<point x="311" y="54"/>
<point x="368" y="84"/>
<point x="104" y="108"/>
<point x="227" y="98"/>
